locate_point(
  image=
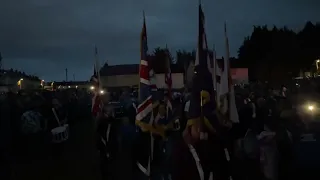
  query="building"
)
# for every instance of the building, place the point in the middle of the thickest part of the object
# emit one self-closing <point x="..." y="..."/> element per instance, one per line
<point x="67" y="85"/>
<point x="16" y="80"/>
<point x="118" y="76"/>
<point x="128" y="75"/>
<point x="238" y="75"/>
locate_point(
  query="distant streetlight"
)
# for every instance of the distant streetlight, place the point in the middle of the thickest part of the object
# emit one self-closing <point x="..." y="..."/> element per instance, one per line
<point x="41" y="83"/>
<point x="20" y="83"/>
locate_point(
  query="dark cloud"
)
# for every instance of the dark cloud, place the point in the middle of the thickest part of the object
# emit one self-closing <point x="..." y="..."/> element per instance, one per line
<point x="44" y="37"/>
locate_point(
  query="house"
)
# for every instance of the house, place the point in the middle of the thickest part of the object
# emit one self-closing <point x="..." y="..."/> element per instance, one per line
<point x="68" y="85"/>
<point x="16" y="80"/>
<point x="127" y="75"/>
<point x="238" y="75"/>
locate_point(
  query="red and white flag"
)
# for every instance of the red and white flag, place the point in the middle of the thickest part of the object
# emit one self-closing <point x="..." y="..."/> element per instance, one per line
<point x="97" y="103"/>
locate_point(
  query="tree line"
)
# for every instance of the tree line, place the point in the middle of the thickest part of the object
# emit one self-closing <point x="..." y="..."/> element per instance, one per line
<point x="270" y="53"/>
<point x="274" y="54"/>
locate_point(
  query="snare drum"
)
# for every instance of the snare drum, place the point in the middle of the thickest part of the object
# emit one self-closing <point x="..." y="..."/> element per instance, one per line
<point x="60" y="134"/>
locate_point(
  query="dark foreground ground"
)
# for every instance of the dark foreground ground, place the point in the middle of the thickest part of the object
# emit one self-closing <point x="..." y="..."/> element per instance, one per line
<point x="78" y="161"/>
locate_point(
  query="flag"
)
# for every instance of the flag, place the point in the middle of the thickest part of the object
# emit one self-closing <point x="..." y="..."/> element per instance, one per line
<point x="226" y="93"/>
<point x="97" y="103"/>
<point x="202" y="102"/>
<point x="94" y="78"/>
<point x="153" y="87"/>
<point x="145" y="98"/>
<point x="168" y="77"/>
<point x="144" y="117"/>
<point x="165" y="109"/>
<point x="168" y="82"/>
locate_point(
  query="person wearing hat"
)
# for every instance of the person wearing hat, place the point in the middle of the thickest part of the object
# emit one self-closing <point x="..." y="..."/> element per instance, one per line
<point x="201" y="151"/>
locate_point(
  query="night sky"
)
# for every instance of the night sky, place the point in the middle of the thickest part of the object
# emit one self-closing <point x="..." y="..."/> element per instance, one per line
<point x="43" y="37"/>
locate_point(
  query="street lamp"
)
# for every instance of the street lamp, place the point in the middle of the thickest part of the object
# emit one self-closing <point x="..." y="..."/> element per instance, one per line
<point x="20" y="83"/>
<point x="41" y="83"/>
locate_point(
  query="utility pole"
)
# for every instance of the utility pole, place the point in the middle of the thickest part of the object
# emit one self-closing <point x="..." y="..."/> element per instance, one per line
<point x="66" y="74"/>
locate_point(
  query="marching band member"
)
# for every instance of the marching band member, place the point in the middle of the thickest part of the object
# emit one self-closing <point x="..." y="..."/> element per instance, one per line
<point x="107" y="144"/>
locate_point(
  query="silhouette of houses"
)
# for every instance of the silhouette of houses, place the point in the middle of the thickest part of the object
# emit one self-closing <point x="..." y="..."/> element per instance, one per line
<point x="14" y="79"/>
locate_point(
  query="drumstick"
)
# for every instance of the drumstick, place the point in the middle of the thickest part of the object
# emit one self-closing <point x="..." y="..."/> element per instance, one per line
<point x="56" y="116"/>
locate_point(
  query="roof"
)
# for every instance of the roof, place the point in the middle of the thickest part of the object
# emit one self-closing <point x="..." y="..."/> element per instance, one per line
<point x="127" y="69"/>
<point x="69" y="83"/>
<point x="124" y="69"/>
<point x="18" y="74"/>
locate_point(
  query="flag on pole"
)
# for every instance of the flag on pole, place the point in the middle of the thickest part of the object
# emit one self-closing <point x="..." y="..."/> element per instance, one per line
<point x="168" y="82"/>
<point x="97" y="103"/>
<point x="202" y="102"/>
<point x="94" y="78"/>
<point x="226" y="90"/>
<point x="144" y="115"/>
<point x="168" y="77"/>
<point x="145" y="98"/>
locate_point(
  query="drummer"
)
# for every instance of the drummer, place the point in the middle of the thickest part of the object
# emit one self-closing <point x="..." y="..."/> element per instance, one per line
<point x="57" y="148"/>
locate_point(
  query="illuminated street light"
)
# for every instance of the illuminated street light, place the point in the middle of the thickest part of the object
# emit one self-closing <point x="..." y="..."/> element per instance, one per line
<point x="41" y="83"/>
<point x="92" y="87"/>
<point x="20" y="83"/>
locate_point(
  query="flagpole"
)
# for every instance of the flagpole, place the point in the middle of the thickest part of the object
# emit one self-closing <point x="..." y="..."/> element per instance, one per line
<point x="226" y="151"/>
<point x="215" y="73"/>
<point x="144" y="20"/>
<point x="228" y="64"/>
<point x="98" y="67"/>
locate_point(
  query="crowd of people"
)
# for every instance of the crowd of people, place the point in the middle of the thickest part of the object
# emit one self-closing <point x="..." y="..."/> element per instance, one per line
<point x="27" y="121"/>
<point x="260" y="146"/>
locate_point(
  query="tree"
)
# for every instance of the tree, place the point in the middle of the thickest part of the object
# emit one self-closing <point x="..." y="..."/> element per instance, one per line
<point x="184" y="58"/>
<point x="279" y="53"/>
<point x="159" y="57"/>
